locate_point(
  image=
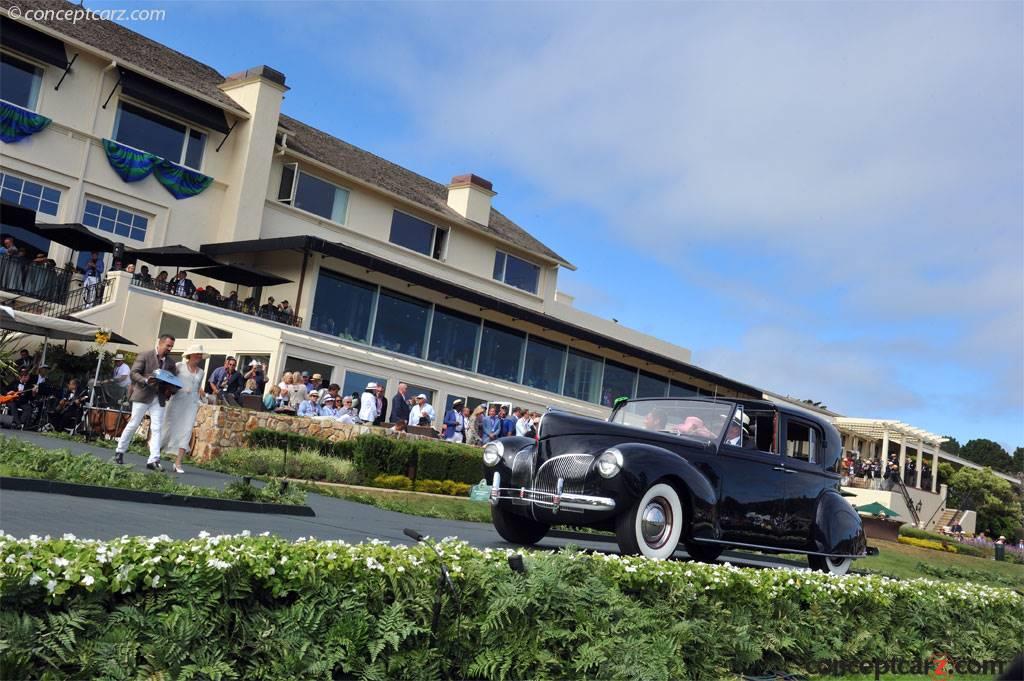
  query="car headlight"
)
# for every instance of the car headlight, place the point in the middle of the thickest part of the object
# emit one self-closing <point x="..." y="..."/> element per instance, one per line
<point x="609" y="463"/>
<point x="493" y="452"/>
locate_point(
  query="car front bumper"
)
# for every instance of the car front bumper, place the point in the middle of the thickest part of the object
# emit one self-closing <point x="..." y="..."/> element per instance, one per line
<point x="550" y="500"/>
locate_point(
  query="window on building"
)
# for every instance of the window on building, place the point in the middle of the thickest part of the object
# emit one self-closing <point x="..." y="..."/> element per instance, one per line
<point x="298" y="364"/>
<point x="174" y="325"/>
<point x="543" y="367"/>
<point x="582" y="376"/>
<point x="516" y="272"/>
<point x="29" y="194"/>
<point x="19" y="81"/>
<point x="401" y="324"/>
<point x="418" y="235"/>
<point x="312" y="194"/>
<point x="677" y="389"/>
<point x="415" y="390"/>
<point x="618" y="382"/>
<point x="117" y="221"/>
<point x="356" y="382"/>
<point x="453" y="338"/>
<point x="343" y="306"/>
<point x="450" y="399"/>
<point x="149" y="131"/>
<point x="207" y="331"/>
<point x="501" y="350"/>
<point x="649" y="385"/>
<point x="212" y="364"/>
<point x="801" y="441"/>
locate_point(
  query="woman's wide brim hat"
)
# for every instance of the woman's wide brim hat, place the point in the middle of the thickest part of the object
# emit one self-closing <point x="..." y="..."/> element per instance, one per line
<point x="194" y="349"/>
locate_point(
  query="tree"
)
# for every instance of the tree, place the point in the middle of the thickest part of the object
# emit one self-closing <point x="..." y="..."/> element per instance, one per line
<point x="987" y="453"/>
<point x="946" y="472"/>
<point x="951" y="445"/>
<point x="1018" y="460"/>
<point x="994" y="499"/>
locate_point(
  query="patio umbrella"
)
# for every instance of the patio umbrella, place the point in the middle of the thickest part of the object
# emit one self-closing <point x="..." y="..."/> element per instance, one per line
<point x="172" y="256"/>
<point x="76" y="237"/>
<point x="876" y="508"/>
<point x="31" y="324"/>
<point x="14" y="215"/>
<point x="244" y="275"/>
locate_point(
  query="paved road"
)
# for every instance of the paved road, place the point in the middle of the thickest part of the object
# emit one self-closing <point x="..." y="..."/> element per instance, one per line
<point x="26" y="513"/>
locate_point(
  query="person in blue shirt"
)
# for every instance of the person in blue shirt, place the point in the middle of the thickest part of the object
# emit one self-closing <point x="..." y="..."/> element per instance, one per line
<point x="330" y="407"/>
<point x="455" y="423"/>
<point x="492" y="425"/>
<point x="310" y="406"/>
<point x="508" y="423"/>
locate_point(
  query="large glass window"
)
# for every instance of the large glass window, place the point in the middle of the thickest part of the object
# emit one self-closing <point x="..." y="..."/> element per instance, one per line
<point x="312" y="194"/>
<point x="149" y="131"/>
<point x="401" y="324"/>
<point x="19" y="81"/>
<point x="677" y="389"/>
<point x="417" y="235"/>
<point x="650" y="385"/>
<point x="29" y="194"/>
<point x="500" y="351"/>
<point x="516" y="272"/>
<point x="174" y="325"/>
<point x="118" y="221"/>
<point x="582" y="376"/>
<point x="543" y="368"/>
<point x="355" y="383"/>
<point x="298" y="364"/>
<point x="342" y="306"/>
<point x="618" y="382"/>
<point x="453" y="338"/>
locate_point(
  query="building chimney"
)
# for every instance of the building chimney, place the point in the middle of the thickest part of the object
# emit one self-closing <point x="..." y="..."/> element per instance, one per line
<point x="470" y="197"/>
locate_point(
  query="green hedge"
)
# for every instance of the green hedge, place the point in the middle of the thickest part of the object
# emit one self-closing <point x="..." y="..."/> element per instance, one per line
<point x="24" y="460"/>
<point x="262" y="608"/>
<point x="272" y="439"/>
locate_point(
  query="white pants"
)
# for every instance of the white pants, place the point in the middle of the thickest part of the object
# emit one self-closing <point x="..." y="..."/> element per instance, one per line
<point x="156" y="427"/>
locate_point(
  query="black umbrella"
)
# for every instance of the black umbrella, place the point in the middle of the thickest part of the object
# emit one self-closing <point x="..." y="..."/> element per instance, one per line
<point x="14" y="215"/>
<point x="76" y="237"/>
<point x="172" y="256"/>
<point x="237" y="273"/>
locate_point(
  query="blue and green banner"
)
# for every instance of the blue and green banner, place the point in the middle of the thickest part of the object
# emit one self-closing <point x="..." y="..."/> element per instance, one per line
<point x="181" y="182"/>
<point x="130" y="164"/>
<point x="16" y="123"/>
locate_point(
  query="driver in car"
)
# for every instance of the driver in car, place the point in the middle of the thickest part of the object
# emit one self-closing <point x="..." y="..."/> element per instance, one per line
<point x="656" y="420"/>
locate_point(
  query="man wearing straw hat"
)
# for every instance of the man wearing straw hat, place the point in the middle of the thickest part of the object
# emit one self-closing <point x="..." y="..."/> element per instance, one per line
<point x="147" y="398"/>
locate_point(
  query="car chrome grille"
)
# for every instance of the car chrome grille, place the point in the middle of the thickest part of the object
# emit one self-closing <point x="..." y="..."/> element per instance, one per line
<point x="522" y="468"/>
<point x="572" y="468"/>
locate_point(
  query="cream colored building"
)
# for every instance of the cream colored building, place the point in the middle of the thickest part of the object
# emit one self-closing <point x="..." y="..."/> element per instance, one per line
<point x="393" y="276"/>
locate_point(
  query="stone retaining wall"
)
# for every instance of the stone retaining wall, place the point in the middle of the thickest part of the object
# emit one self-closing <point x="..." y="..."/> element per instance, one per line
<point x="218" y="428"/>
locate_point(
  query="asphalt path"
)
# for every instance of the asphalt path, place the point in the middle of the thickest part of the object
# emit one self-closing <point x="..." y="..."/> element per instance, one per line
<point x="26" y="513"/>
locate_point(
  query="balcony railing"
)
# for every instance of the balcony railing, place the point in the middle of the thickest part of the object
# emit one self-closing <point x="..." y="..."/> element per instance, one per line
<point x="40" y="282"/>
<point x="73" y="301"/>
<point x="246" y="307"/>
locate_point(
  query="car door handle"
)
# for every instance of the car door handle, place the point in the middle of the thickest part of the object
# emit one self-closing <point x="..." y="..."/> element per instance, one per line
<point x="780" y="468"/>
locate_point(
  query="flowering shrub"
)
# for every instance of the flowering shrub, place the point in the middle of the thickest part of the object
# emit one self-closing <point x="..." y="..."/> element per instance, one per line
<point x="263" y="608"/>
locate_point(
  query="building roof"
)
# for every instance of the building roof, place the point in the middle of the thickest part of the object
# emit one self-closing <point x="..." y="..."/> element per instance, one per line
<point x="486" y="302"/>
<point x="133" y="49"/>
<point x="379" y="172"/>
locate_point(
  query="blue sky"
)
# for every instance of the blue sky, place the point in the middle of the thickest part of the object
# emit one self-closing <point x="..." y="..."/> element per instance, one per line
<point x="821" y="199"/>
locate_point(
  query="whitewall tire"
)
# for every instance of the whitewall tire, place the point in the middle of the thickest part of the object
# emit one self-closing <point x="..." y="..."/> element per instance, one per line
<point x="833" y="566"/>
<point x="653" y="526"/>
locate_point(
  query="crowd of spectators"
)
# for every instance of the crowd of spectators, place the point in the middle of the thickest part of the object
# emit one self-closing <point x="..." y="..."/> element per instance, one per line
<point x="885" y="477"/>
<point x="305" y="394"/>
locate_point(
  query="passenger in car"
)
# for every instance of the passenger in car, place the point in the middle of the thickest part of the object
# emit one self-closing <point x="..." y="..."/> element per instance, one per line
<point x="694" y="425"/>
<point x="656" y="420"/>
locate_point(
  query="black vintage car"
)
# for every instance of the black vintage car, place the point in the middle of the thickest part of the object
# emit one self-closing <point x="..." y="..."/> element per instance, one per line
<point x="659" y="472"/>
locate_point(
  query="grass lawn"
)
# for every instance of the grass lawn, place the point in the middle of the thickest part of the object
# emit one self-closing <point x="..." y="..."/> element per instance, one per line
<point x="425" y="505"/>
<point x="903" y="560"/>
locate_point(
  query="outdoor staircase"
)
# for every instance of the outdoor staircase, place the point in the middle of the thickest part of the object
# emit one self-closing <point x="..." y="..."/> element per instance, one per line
<point x="947" y="517"/>
<point x="909" y="501"/>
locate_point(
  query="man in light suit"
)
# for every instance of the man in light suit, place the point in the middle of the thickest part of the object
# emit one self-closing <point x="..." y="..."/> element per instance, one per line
<point x="146" y="399"/>
<point x="368" y="404"/>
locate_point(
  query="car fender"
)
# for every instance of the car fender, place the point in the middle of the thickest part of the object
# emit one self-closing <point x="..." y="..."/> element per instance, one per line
<point x="837" y="527"/>
<point x="645" y="464"/>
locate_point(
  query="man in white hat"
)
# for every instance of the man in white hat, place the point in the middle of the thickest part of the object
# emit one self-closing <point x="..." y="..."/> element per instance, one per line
<point x="368" y="404"/>
<point x="422" y="414"/>
<point x="122" y="372"/>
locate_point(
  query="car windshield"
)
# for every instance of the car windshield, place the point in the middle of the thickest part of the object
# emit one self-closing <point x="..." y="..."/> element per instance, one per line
<point x="690" y="418"/>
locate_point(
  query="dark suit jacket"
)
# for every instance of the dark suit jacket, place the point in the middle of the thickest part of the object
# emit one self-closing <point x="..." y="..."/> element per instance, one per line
<point x="190" y="288"/>
<point x="143" y="367"/>
<point x="383" y="411"/>
<point x="399" y="409"/>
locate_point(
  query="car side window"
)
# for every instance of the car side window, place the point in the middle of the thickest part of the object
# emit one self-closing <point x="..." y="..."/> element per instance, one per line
<point x="802" y="441"/>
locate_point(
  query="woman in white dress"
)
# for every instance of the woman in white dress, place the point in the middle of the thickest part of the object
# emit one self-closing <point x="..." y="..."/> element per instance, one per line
<point x="180" y="416"/>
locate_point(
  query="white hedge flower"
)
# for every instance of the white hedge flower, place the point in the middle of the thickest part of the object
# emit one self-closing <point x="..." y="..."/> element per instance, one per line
<point x="88" y="580"/>
<point x="51" y="585"/>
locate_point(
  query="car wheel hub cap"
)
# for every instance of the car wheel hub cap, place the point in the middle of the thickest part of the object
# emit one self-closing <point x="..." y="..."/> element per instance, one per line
<point x="655" y="524"/>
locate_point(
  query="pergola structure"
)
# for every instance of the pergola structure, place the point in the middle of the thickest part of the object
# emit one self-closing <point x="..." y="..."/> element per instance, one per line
<point x="861" y="432"/>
